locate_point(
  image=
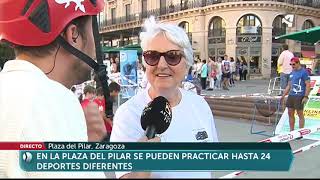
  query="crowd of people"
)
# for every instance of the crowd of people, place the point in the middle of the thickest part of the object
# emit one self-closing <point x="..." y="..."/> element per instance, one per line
<point x="92" y="94"/>
<point x="218" y="73"/>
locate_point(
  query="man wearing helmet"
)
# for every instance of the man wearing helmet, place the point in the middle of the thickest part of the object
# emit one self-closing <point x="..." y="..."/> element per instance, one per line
<point x="55" y="47"/>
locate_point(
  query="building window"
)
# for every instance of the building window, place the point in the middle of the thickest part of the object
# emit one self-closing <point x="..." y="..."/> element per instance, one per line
<point x="144" y="8"/>
<point x="171" y="7"/>
<point x="203" y="3"/>
<point x="249" y="24"/>
<point x="278" y="29"/>
<point x="128" y="12"/>
<point x="184" y="4"/>
<point x="101" y="19"/>
<point x="113" y="15"/>
<point x="307" y="25"/>
<point x="216" y="37"/>
<point x="163" y="7"/>
<point x="249" y="31"/>
<point x="217" y="27"/>
<point x="185" y="25"/>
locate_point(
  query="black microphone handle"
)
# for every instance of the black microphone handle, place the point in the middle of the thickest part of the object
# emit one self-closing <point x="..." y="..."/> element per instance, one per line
<point x="151" y="131"/>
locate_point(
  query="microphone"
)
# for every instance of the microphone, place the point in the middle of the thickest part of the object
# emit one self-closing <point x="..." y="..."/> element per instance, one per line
<point x="156" y="117"/>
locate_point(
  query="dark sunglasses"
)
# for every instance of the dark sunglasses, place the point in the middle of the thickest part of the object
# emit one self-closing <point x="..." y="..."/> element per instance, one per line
<point x="172" y="57"/>
<point x="292" y="64"/>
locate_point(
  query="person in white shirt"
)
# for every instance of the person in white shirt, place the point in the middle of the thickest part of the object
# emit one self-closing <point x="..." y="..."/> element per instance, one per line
<point x="194" y="69"/>
<point x="199" y="67"/>
<point x="226" y="72"/>
<point x="284" y="66"/>
<point x="211" y="72"/>
<point x="233" y="71"/>
<point x="35" y="98"/>
<point x="168" y="56"/>
<point x="219" y="73"/>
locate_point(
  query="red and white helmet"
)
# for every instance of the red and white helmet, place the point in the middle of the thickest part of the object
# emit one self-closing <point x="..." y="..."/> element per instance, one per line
<point x="39" y="22"/>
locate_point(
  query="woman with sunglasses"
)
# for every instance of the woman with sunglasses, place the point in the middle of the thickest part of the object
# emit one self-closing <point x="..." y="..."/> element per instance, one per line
<point x="168" y="55"/>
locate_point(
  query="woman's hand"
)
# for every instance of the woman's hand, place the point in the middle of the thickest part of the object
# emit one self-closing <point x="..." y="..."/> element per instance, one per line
<point x="141" y="175"/>
<point x="145" y="139"/>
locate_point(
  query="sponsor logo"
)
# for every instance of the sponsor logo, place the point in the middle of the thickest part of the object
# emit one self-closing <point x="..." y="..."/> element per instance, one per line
<point x="304" y="132"/>
<point x="285" y="137"/>
<point x="78" y="3"/>
<point x="201" y="135"/>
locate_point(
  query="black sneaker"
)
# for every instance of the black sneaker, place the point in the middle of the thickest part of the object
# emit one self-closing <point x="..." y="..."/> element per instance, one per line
<point x="299" y="138"/>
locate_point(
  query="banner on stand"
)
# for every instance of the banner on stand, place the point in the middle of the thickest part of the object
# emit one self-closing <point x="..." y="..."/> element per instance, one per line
<point x="128" y="71"/>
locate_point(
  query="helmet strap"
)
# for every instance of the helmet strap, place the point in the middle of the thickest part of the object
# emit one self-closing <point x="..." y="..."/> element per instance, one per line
<point x="99" y="68"/>
<point x="76" y="52"/>
<point x="102" y="72"/>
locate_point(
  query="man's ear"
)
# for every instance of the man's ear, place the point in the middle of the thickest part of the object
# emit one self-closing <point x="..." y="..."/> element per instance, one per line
<point x="71" y="34"/>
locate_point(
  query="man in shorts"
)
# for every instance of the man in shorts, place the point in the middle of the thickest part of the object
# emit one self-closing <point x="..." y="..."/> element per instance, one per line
<point x="298" y="89"/>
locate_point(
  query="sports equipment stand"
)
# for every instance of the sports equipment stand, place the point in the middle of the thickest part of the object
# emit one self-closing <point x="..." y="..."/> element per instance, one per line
<point x="266" y="106"/>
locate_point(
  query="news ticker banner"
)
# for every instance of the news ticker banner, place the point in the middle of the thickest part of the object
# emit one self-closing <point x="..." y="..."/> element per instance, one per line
<point x="81" y="156"/>
<point x="311" y="112"/>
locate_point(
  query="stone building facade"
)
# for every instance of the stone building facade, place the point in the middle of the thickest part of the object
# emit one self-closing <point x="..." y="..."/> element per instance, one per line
<point x="239" y="28"/>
